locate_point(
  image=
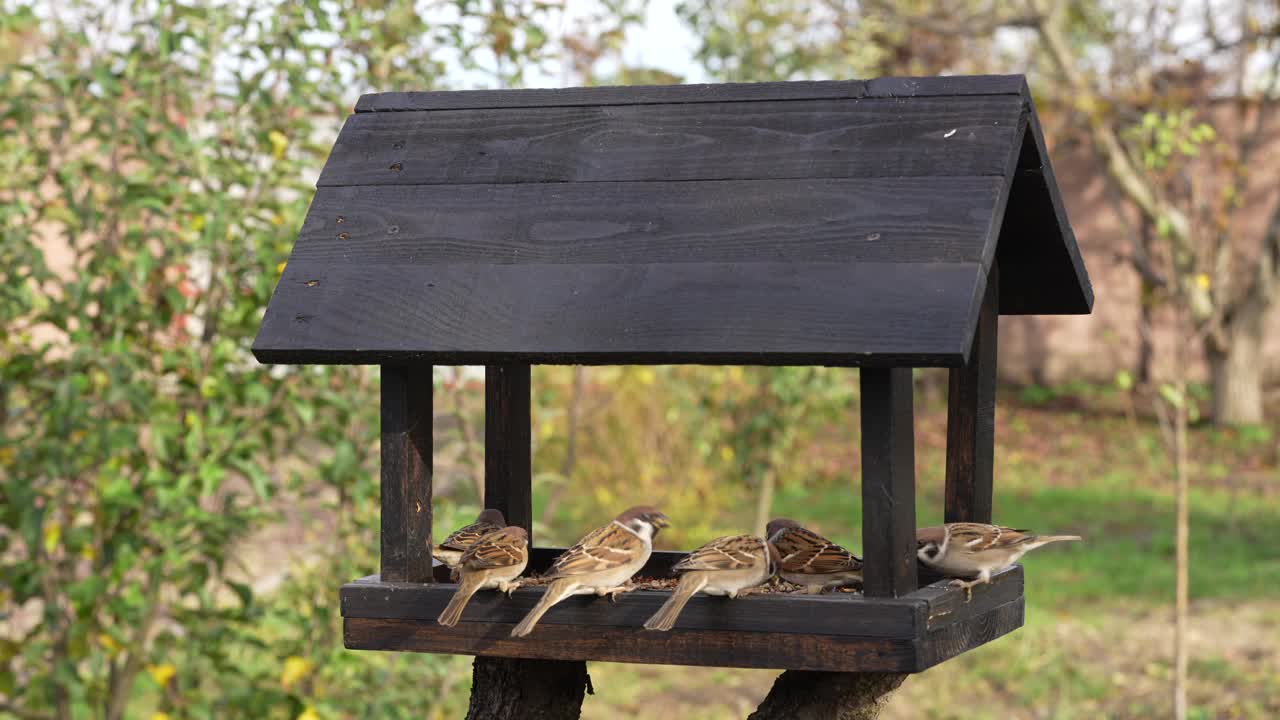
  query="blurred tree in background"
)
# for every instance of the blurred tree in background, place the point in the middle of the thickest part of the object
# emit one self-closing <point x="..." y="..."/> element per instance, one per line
<point x="1176" y="112"/>
<point x="156" y="160"/>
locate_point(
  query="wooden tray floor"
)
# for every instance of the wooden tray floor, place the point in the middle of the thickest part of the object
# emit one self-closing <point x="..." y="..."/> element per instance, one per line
<point x="840" y="632"/>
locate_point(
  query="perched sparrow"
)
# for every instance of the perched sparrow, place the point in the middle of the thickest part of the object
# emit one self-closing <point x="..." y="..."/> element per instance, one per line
<point x="724" y="566"/>
<point x="450" y="551"/>
<point x="976" y="550"/>
<point x="601" y="563"/>
<point x="491" y="562"/>
<point x="810" y="560"/>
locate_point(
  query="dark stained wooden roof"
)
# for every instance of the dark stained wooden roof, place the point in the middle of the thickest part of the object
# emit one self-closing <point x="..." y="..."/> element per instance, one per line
<point x="837" y="223"/>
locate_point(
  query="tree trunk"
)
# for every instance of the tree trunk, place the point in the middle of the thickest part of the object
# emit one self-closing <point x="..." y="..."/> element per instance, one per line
<point x="1236" y="370"/>
<point x="798" y="695"/>
<point x="510" y="689"/>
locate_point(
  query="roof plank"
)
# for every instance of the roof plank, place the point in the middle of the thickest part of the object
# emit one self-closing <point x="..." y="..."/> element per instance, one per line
<point x="737" y="313"/>
<point x="860" y="220"/>
<point x="760" y="140"/>
<point x="698" y="93"/>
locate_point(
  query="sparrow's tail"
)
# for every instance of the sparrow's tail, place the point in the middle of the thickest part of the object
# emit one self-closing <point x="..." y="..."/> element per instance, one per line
<point x="556" y="591"/>
<point x="453" y="611"/>
<point x="665" y="618"/>
<point x="1046" y="539"/>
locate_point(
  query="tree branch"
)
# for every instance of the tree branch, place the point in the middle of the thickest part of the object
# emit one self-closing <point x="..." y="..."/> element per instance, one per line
<point x="1138" y="257"/>
<point x="22" y="714"/>
<point x="946" y="24"/>
<point x="1119" y="165"/>
<point x="1247" y="37"/>
<point x="121" y="685"/>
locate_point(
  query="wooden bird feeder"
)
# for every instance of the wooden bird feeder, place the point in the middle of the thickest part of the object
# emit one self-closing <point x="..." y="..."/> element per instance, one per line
<point x="877" y="224"/>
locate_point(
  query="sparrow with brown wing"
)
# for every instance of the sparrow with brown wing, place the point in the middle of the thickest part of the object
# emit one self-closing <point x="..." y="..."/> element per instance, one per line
<point x="601" y="563"/>
<point x="492" y="562"/>
<point x="976" y="550"/>
<point x="810" y="560"/>
<point x="450" y="551"/>
<point x="724" y="566"/>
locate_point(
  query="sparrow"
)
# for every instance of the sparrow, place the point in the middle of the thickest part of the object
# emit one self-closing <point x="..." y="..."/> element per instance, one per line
<point x="810" y="560"/>
<point x="976" y="550"/>
<point x="601" y="563"/>
<point x="450" y="551"/>
<point x="724" y="566"/>
<point x="493" y="561"/>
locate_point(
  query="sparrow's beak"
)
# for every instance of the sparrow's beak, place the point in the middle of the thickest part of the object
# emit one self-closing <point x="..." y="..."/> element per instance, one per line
<point x="659" y="520"/>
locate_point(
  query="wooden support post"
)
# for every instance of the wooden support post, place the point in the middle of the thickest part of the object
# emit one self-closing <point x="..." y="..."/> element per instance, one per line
<point x="406" y="473"/>
<point x="504" y="688"/>
<point x="508" y="471"/>
<point x="798" y="695"/>
<point x="517" y="689"/>
<point x="971" y="417"/>
<point x="888" y="483"/>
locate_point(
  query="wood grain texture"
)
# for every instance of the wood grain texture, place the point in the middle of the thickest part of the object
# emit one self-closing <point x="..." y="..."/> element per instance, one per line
<point x="946" y="605"/>
<point x="1043" y="272"/>
<point x="636" y="645"/>
<point x="508" y="474"/>
<point x="517" y="689"/>
<point x="804" y="695"/>
<point x="837" y="614"/>
<point x="888" y="482"/>
<point x="963" y="636"/>
<point x="839" y="633"/>
<point x="833" y="632"/>
<point x="733" y="313"/>
<point x="852" y="220"/>
<point x="406" y="473"/>
<point x="701" y="93"/>
<point x="934" y="136"/>
<point x="971" y="412"/>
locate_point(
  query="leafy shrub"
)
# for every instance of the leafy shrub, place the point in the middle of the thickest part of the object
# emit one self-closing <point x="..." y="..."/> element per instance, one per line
<point x="155" y="161"/>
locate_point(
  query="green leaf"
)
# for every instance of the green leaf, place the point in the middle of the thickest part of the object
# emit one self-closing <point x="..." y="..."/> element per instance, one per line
<point x="52" y="535"/>
<point x="1171" y="395"/>
<point x="1124" y="380"/>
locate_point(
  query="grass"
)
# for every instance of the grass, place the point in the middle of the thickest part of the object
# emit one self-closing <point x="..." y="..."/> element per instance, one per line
<point x="1128" y="549"/>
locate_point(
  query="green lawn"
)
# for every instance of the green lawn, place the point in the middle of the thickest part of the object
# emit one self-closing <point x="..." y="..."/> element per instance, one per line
<point x="1128" y="550"/>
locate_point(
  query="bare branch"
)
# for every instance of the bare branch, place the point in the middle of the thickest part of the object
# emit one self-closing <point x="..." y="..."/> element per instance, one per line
<point x="1247" y="38"/>
<point x="1138" y="257"/>
<point x="1266" y="104"/>
<point x="981" y="22"/>
<point x="1120" y="166"/>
